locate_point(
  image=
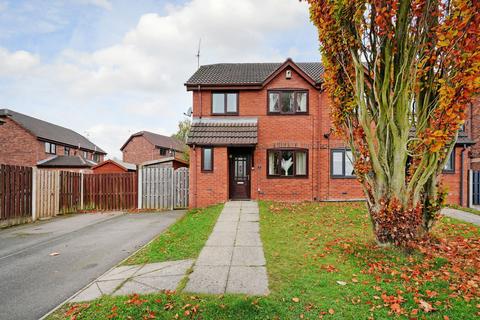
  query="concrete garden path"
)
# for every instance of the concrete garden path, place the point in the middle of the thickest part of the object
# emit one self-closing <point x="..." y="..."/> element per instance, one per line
<point x="461" y="215"/>
<point x="232" y="260"/>
<point x="142" y="279"/>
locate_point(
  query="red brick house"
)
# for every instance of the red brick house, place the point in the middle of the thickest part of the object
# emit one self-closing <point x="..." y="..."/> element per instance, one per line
<point x="262" y="131"/>
<point x="146" y="146"/>
<point x="114" y="166"/>
<point x="28" y="141"/>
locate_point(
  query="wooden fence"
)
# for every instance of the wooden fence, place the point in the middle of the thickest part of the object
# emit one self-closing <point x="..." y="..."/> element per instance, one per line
<point x="110" y="191"/>
<point x="164" y="188"/>
<point x="31" y="194"/>
<point x="70" y="191"/>
<point x="47" y="186"/>
<point x="15" y="194"/>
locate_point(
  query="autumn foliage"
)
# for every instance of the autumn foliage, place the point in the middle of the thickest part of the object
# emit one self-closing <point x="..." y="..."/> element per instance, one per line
<point x="401" y="75"/>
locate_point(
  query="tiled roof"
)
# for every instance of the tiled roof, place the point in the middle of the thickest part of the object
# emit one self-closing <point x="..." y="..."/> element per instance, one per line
<point x="247" y="73"/>
<point x="158" y="140"/>
<point x="239" y="131"/>
<point x="163" y="160"/>
<point x="49" y="131"/>
<point x="120" y="163"/>
<point x="66" y="162"/>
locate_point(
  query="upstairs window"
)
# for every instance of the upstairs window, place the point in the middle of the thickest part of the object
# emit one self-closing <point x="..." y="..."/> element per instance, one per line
<point x="224" y="103"/>
<point x="96" y="157"/>
<point x="342" y="164"/>
<point x="287" y="163"/>
<point x="450" y="164"/>
<point x="85" y="154"/>
<point x="50" y="148"/>
<point x="163" y="151"/>
<point x="287" y="102"/>
<point x="66" y="151"/>
<point x="207" y="159"/>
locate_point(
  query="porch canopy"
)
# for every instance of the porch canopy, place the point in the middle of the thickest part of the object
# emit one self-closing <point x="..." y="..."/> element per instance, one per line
<point x="241" y="131"/>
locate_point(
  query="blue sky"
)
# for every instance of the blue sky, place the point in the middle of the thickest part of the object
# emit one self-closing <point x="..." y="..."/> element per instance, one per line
<point x="108" y="68"/>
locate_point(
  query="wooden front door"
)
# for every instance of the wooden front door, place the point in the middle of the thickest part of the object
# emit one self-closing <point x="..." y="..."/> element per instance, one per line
<point x="240" y="167"/>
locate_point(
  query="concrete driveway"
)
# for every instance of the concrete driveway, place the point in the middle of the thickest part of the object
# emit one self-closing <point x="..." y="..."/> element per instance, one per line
<point x="32" y="281"/>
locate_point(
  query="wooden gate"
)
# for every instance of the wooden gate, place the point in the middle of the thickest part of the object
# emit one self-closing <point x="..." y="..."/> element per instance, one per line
<point x="164" y="188"/>
<point x="70" y="191"/>
<point x="47" y="186"/>
<point x="181" y="188"/>
<point x="110" y="191"/>
<point x="15" y="194"/>
<point x="476" y="188"/>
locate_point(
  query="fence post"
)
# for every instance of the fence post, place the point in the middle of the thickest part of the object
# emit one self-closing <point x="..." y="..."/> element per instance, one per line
<point x="81" y="190"/>
<point x="140" y="186"/>
<point x="34" y="194"/>
<point x="470" y="188"/>
<point x="172" y="204"/>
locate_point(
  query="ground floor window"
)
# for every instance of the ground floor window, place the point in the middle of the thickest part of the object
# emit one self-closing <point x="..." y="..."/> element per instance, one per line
<point x="342" y="164"/>
<point x="450" y="164"/>
<point x="287" y="163"/>
<point x="207" y="159"/>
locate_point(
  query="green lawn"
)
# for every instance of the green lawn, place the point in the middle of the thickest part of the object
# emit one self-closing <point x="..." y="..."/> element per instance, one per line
<point x="323" y="263"/>
<point x="183" y="240"/>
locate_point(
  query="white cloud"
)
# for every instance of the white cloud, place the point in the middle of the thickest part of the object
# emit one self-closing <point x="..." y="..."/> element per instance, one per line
<point x="137" y="83"/>
<point x="16" y="63"/>
<point x="159" y="53"/>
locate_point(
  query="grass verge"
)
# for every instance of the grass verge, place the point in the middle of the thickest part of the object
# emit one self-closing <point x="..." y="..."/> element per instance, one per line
<point x="323" y="263"/>
<point x="183" y="240"/>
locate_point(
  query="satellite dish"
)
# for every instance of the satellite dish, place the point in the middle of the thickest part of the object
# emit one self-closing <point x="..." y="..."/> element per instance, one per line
<point x="189" y="112"/>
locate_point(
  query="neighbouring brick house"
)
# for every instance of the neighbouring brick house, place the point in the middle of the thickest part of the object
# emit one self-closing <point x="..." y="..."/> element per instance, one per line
<point x="147" y="146"/>
<point x="28" y="141"/>
<point x="263" y="131"/>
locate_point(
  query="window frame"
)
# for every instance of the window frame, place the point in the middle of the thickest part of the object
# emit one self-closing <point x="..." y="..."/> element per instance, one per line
<point x="66" y="151"/>
<point x="50" y="146"/>
<point x="225" y="101"/>
<point x="294" y="176"/>
<point x="283" y="90"/>
<point x="452" y="158"/>
<point x="344" y="154"/>
<point x="164" y="154"/>
<point x="203" y="159"/>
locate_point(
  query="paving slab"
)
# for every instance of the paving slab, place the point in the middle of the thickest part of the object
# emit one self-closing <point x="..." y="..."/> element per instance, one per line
<point x="248" y="256"/>
<point x="221" y="239"/>
<point x="121" y="272"/>
<point x="252" y="217"/>
<point x="232" y="260"/>
<point x="247" y="238"/>
<point x="208" y="279"/>
<point x="149" y="278"/>
<point x="170" y="268"/>
<point x="229" y="216"/>
<point x="215" y="256"/>
<point x="92" y="292"/>
<point x="247" y="226"/>
<point x="226" y="226"/>
<point x="161" y="283"/>
<point x="248" y="280"/>
<point x="109" y="286"/>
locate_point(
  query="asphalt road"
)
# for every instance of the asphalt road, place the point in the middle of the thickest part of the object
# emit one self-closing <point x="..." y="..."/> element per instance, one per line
<point x="33" y="282"/>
